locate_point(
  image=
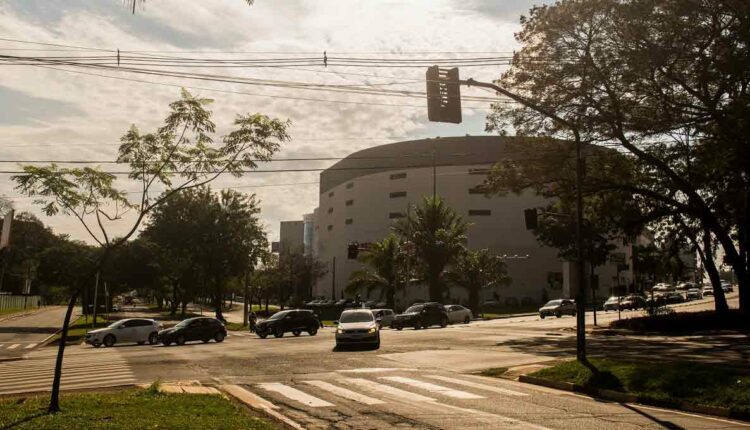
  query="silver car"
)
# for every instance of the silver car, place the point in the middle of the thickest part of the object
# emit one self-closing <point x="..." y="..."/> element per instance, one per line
<point x="137" y="330"/>
<point x="357" y="326"/>
<point x="458" y="314"/>
<point x="384" y="317"/>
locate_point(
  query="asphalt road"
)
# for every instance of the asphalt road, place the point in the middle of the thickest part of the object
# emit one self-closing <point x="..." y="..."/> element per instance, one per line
<point x="417" y="379"/>
<point x="20" y="335"/>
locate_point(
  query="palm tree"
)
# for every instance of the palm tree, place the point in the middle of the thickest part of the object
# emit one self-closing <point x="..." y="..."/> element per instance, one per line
<point x="477" y="270"/>
<point x="386" y="270"/>
<point x="437" y="236"/>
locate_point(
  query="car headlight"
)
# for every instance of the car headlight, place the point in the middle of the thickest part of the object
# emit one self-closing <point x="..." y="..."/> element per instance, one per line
<point x="372" y="330"/>
<point x="339" y="330"/>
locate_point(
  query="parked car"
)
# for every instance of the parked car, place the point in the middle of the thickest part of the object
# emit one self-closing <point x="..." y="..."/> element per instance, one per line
<point x="295" y="321"/>
<point x="313" y="302"/>
<point x="458" y="314"/>
<point x="707" y="291"/>
<point x="200" y="328"/>
<point x="490" y="303"/>
<point x="369" y="304"/>
<point x="727" y="287"/>
<point x="421" y="315"/>
<point x="662" y="288"/>
<point x="558" y="308"/>
<point x="633" y="302"/>
<point x="612" y="304"/>
<point x="384" y="317"/>
<point x="136" y="330"/>
<point x="357" y="326"/>
<point x="674" y="297"/>
<point x="345" y="303"/>
<point x="693" y="294"/>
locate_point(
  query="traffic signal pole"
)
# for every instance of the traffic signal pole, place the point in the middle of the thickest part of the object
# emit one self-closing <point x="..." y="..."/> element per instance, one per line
<point x="432" y="78"/>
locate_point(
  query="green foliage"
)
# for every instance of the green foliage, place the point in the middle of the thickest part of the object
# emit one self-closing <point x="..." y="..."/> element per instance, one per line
<point x="435" y="236"/>
<point x="386" y="272"/>
<point x="478" y="270"/>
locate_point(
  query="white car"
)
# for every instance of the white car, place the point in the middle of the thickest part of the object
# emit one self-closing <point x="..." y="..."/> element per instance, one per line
<point x="458" y="314"/>
<point x="357" y="326"/>
<point x="137" y="330"/>
<point x="384" y="316"/>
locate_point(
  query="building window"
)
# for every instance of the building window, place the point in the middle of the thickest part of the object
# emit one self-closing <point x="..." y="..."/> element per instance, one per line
<point x="397" y="194"/>
<point x="398" y="176"/>
<point x="350" y="185"/>
<point x="480" y="212"/>
<point x="348" y="221"/>
<point x="479" y="189"/>
<point x="330" y="194"/>
<point x="349" y="202"/>
<point x="483" y="171"/>
<point x="330" y="210"/>
<point x="395" y="215"/>
<point x="330" y="227"/>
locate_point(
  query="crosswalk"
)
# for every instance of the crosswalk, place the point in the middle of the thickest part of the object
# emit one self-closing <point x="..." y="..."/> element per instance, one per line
<point x="316" y="402"/>
<point x="11" y="346"/>
<point x="95" y="368"/>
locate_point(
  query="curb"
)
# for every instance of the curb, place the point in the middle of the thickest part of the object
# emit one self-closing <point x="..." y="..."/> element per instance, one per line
<point x="20" y="314"/>
<point x="259" y="404"/>
<point x="617" y="396"/>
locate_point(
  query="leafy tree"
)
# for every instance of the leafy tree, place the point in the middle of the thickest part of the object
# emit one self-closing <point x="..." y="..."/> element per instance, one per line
<point x="29" y="237"/>
<point x="296" y="274"/>
<point x="663" y="80"/>
<point x="386" y="272"/>
<point x="478" y="270"/>
<point x="437" y="236"/>
<point x="178" y="156"/>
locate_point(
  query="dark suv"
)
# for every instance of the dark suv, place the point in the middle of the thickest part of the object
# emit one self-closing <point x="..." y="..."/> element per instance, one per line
<point x="421" y="315"/>
<point x="295" y="321"/>
<point x="201" y="328"/>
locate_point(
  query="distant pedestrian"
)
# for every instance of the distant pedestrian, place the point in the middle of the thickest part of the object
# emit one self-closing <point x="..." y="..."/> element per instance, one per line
<point x="251" y="320"/>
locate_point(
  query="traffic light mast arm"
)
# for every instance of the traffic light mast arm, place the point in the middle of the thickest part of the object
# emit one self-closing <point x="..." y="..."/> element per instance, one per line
<point x="529" y="104"/>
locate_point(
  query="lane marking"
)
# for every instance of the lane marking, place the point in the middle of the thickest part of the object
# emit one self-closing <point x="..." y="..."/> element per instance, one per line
<point x="29" y="346"/>
<point x="376" y="370"/>
<point x="295" y="394"/>
<point x="343" y="392"/>
<point x="433" y="388"/>
<point x="14" y="346"/>
<point x="476" y="385"/>
<point x="387" y="389"/>
<point x="259" y="403"/>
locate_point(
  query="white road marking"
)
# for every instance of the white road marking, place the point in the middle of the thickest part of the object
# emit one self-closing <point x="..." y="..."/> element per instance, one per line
<point x="376" y="370"/>
<point x="29" y="346"/>
<point x="433" y="388"/>
<point x="343" y="392"/>
<point x="295" y="394"/>
<point x="387" y="389"/>
<point x="476" y="385"/>
<point x="14" y="346"/>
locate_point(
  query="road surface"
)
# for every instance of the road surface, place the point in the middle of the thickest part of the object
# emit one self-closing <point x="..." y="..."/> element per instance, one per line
<point x="20" y="335"/>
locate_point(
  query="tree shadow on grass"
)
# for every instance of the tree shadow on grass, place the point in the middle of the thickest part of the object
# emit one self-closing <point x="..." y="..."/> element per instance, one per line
<point x="24" y="420"/>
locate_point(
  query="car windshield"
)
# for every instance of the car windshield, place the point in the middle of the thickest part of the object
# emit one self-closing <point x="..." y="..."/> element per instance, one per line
<point x="115" y="324"/>
<point x="184" y="323"/>
<point x="414" y="309"/>
<point x="554" y="303"/>
<point x="279" y="315"/>
<point x="355" y="317"/>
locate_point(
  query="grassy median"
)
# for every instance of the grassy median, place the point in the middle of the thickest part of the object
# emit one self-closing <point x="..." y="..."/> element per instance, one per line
<point x="134" y="409"/>
<point x="662" y="383"/>
<point x="78" y="329"/>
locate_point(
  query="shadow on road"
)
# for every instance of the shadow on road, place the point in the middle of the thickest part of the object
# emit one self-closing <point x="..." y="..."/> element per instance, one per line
<point x="664" y="424"/>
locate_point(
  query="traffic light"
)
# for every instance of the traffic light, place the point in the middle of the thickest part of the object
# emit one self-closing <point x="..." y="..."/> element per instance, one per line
<point x="443" y="95"/>
<point x="352" y="251"/>
<point x="530" y="216"/>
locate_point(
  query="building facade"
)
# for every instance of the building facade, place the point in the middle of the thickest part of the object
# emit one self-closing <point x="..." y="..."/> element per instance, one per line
<point x="363" y="195"/>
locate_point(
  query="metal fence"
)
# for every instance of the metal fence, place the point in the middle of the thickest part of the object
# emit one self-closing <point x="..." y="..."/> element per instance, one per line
<point x="19" y="302"/>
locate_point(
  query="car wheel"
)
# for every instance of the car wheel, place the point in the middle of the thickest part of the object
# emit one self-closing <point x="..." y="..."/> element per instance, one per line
<point x="443" y="322"/>
<point x="541" y="316"/>
<point x="109" y="340"/>
<point x="398" y="327"/>
<point x="205" y="340"/>
<point x="296" y="333"/>
<point x="467" y="320"/>
<point x="263" y="335"/>
<point x="278" y="333"/>
<point x="312" y="331"/>
<point x="377" y="345"/>
<point x="96" y="345"/>
<point x="417" y="325"/>
<point x="558" y="314"/>
<point x="152" y="338"/>
<point x="180" y="340"/>
<point x="219" y="337"/>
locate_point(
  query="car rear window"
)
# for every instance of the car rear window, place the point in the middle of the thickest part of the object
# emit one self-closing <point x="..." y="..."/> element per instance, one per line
<point x="414" y="309"/>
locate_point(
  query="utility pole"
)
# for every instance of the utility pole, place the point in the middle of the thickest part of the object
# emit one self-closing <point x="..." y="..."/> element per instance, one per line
<point x="96" y="289"/>
<point x="444" y="105"/>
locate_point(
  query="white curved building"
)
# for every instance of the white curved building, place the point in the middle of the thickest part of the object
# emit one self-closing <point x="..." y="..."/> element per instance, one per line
<point x="362" y="195"/>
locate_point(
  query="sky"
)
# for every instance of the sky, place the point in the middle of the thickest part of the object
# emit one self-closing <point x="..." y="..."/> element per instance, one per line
<point x="54" y="114"/>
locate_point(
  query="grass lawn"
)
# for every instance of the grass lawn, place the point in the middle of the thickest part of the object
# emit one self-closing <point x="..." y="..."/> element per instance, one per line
<point x="134" y="409"/>
<point x="4" y="312"/>
<point x="78" y="329"/>
<point x="664" y="383"/>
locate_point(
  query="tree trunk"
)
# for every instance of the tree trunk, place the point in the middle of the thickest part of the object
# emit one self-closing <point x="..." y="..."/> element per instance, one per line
<point x="175" y="302"/>
<point x="707" y="256"/>
<point x="474" y="300"/>
<point x="246" y="299"/>
<point x="219" y="300"/>
<point x="54" y="401"/>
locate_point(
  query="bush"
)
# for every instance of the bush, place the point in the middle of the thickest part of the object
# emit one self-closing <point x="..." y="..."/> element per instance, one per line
<point x="685" y="322"/>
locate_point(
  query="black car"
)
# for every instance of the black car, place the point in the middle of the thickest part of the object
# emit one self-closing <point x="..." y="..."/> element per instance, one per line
<point x="201" y="328"/>
<point x="295" y="321"/>
<point x="421" y="315"/>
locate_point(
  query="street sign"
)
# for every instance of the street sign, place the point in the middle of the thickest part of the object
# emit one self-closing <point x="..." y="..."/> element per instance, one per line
<point x="443" y="95"/>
